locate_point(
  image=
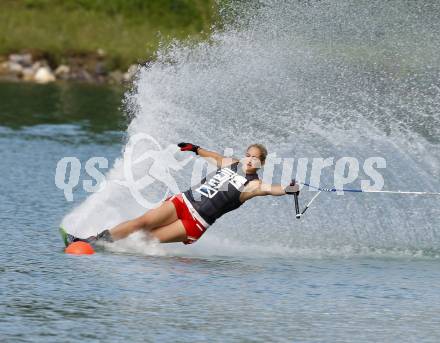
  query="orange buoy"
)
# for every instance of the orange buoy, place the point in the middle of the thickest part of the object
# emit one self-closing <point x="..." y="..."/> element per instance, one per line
<point x="79" y="248"/>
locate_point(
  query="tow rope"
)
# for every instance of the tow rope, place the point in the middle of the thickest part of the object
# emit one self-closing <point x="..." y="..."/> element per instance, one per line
<point x="333" y="190"/>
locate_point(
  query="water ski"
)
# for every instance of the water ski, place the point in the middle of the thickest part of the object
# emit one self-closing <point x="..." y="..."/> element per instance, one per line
<point x="64" y="236"/>
<point x="76" y="247"/>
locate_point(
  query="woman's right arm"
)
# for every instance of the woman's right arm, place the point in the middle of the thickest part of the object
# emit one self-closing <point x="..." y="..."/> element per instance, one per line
<point x="210" y="156"/>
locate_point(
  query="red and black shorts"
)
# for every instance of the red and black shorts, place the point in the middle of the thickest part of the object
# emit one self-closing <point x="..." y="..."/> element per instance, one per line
<point x="195" y="225"/>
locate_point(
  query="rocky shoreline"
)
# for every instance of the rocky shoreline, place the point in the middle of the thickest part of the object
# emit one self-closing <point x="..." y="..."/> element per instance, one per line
<point x="36" y="68"/>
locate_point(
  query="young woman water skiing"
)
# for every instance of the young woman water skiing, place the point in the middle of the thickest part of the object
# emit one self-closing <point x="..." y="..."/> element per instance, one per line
<point x="184" y="217"/>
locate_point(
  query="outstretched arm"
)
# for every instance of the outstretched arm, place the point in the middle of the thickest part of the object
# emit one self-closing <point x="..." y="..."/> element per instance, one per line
<point x="210" y="156"/>
<point x="213" y="157"/>
<point x="276" y="190"/>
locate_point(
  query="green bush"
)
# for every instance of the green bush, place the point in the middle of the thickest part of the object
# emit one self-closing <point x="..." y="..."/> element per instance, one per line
<point x="126" y="29"/>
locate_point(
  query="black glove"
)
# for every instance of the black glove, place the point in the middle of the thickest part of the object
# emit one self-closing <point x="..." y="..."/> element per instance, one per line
<point x="292" y="188"/>
<point x="188" y="147"/>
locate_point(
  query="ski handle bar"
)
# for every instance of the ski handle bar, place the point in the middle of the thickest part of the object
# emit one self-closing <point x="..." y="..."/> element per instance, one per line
<point x="295" y="195"/>
<point x="297" y="210"/>
<point x="298" y="215"/>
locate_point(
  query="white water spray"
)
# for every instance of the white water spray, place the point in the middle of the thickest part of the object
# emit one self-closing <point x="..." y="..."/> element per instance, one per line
<point x="307" y="79"/>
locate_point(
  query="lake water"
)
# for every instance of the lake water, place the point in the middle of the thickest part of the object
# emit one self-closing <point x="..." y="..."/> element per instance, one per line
<point x="49" y="296"/>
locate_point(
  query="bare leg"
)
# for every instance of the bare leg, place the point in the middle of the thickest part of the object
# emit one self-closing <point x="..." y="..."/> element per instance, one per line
<point x="161" y="216"/>
<point x="174" y="232"/>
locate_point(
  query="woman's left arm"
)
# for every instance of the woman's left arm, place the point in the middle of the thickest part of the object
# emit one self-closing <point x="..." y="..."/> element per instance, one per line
<point x="275" y="190"/>
<point x="263" y="189"/>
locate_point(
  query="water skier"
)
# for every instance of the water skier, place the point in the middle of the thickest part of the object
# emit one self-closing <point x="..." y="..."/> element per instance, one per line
<point x="186" y="216"/>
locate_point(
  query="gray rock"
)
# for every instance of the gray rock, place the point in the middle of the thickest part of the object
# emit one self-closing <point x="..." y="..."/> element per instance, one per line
<point x="116" y="76"/>
<point x="23" y="59"/>
<point x="28" y="74"/>
<point x="62" y="72"/>
<point x="131" y="73"/>
<point x="37" y="65"/>
<point x="4" y="67"/>
<point x="101" y="52"/>
<point x="15" y="68"/>
<point x="100" y="69"/>
<point x="44" y="75"/>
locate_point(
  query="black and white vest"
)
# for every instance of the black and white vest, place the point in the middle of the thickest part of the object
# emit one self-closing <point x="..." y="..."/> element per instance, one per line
<point x="219" y="192"/>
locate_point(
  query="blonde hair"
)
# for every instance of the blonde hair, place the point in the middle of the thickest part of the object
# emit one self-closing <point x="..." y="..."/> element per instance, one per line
<point x="263" y="151"/>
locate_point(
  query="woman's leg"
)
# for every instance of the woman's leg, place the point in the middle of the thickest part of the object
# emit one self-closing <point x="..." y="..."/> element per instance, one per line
<point x="161" y="216"/>
<point x="174" y="232"/>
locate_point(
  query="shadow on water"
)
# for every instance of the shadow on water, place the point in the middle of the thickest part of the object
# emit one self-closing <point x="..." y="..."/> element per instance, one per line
<point x="78" y="108"/>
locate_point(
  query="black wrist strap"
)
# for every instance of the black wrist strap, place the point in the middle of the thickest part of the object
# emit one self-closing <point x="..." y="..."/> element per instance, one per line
<point x="195" y="149"/>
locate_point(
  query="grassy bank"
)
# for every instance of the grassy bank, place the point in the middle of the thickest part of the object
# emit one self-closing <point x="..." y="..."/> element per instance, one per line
<point x="126" y="30"/>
